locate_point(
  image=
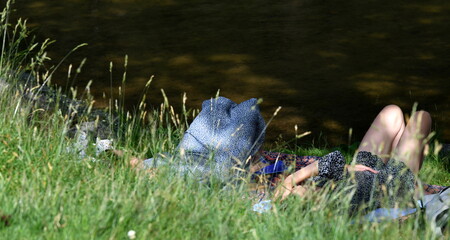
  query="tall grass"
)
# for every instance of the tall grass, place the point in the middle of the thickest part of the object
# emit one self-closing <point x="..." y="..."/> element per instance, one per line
<point x="49" y="192"/>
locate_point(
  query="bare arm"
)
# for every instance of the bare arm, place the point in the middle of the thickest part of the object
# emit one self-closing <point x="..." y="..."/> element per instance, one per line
<point x="296" y="178"/>
<point x="311" y="170"/>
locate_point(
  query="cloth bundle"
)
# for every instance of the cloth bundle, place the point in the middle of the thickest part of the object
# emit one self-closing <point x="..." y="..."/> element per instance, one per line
<point x="219" y="141"/>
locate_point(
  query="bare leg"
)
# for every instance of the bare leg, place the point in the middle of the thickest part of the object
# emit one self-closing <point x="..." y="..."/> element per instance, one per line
<point x="411" y="145"/>
<point x="384" y="133"/>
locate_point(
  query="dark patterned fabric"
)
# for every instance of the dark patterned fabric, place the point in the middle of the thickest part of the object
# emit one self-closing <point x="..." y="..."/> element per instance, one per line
<point x="298" y="162"/>
<point x="432" y="189"/>
<point x="331" y="167"/>
<point x="394" y="180"/>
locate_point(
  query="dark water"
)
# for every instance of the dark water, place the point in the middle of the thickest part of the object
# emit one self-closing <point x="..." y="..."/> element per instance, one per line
<point x="332" y="65"/>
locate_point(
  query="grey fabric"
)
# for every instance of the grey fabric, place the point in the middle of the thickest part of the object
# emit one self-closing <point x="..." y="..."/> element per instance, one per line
<point x="437" y="212"/>
<point x="220" y="139"/>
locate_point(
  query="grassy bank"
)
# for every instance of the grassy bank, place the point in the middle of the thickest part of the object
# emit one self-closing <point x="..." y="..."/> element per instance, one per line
<point x="47" y="191"/>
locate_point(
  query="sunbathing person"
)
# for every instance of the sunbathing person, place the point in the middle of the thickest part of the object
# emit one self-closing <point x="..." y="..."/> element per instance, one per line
<point x="230" y="135"/>
<point x="388" y="161"/>
<point x="225" y="139"/>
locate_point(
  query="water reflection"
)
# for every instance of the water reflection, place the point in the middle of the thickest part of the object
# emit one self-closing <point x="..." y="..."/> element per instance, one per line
<point x="331" y="65"/>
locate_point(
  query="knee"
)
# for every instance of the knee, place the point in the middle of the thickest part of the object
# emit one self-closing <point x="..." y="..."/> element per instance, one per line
<point x="422" y="117"/>
<point x="392" y="116"/>
<point x="392" y="109"/>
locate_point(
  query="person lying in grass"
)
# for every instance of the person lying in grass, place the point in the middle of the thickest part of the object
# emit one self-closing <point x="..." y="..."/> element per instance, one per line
<point x="388" y="161"/>
<point x="230" y="134"/>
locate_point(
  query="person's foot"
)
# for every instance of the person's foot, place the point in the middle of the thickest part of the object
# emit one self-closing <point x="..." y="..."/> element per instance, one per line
<point x="135" y="162"/>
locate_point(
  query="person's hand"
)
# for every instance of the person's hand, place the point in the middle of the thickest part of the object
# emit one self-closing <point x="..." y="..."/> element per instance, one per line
<point x="360" y="168"/>
<point x="292" y="181"/>
<point x="283" y="192"/>
<point x="299" y="190"/>
<point x="285" y="189"/>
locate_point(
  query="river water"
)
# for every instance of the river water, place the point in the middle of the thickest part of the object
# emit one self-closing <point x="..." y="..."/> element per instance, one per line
<point x="331" y="65"/>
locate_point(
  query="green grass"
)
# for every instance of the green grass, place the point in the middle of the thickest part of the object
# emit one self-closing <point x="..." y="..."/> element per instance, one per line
<point x="50" y="193"/>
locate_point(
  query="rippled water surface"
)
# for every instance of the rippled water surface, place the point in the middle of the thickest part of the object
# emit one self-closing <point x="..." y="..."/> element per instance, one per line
<point x="332" y="65"/>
